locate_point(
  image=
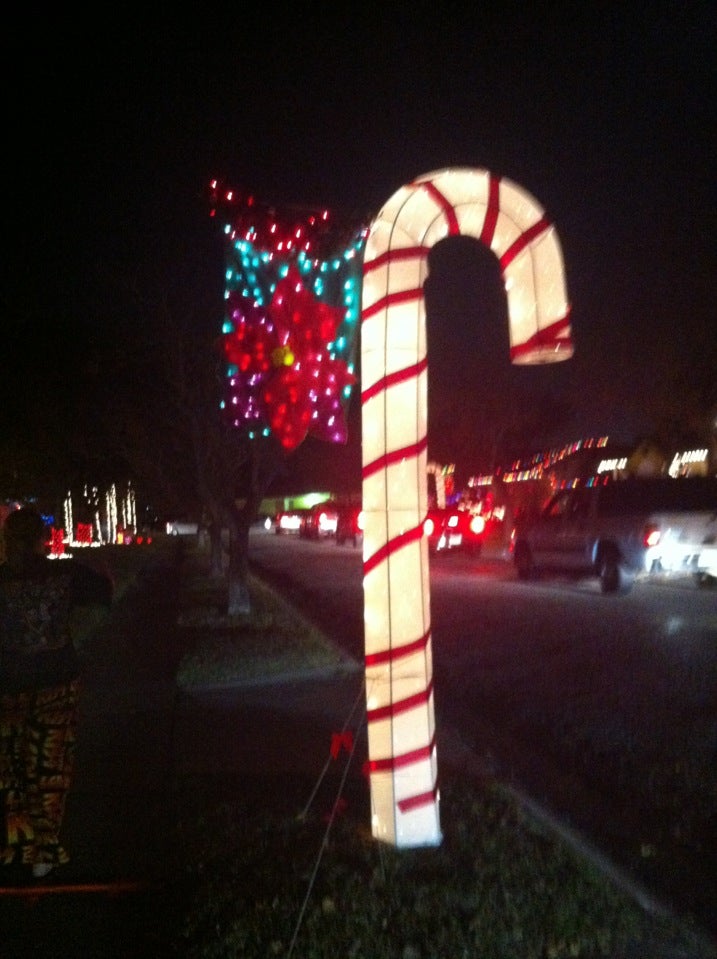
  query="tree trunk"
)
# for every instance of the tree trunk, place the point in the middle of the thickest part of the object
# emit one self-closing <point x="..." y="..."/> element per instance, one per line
<point x="238" y="599"/>
<point x="216" y="550"/>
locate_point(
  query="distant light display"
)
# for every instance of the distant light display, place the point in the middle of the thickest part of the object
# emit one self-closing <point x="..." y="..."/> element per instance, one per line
<point x="292" y="307"/>
<point x="110" y="512"/>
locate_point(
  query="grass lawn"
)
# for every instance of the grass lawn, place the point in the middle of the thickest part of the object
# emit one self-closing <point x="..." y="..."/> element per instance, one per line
<point x="500" y="886"/>
<point x="273" y="641"/>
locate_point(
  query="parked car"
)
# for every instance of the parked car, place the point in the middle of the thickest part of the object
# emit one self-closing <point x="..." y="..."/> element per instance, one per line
<point x="473" y="529"/>
<point x="289" y="521"/>
<point x="620" y="530"/>
<point x="705" y="563"/>
<point x="453" y="529"/>
<point x="181" y="527"/>
<point x="319" y="522"/>
<point x="349" y="524"/>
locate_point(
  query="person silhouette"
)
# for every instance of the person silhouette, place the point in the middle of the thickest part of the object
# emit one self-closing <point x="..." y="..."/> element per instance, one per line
<point x="39" y="690"/>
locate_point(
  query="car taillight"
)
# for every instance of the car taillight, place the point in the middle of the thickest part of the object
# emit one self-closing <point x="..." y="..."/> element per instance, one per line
<point x="428" y="526"/>
<point x="359" y="521"/>
<point x="477" y="525"/>
<point x="651" y="536"/>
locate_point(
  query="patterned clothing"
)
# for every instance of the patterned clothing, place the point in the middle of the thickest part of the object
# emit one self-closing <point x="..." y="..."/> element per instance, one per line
<point x="39" y="689"/>
<point x="37" y="751"/>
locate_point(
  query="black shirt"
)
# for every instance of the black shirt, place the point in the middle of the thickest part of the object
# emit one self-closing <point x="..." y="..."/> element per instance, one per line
<point x="36" y="603"/>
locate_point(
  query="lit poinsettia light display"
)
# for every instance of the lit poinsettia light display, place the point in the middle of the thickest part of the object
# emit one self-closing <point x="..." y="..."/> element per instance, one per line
<point x="291" y="319"/>
<point x="284" y="374"/>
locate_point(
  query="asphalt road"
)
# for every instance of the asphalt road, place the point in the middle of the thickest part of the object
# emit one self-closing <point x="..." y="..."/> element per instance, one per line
<point x="602" y="709"/>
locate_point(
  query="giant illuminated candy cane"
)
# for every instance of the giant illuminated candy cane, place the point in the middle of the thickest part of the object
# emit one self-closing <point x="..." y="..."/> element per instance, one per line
<point x="399" y="669"/>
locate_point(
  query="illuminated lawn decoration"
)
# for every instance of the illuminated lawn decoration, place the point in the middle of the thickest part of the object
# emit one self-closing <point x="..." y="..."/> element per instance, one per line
<point x="399" y="669"/>
<point x="291" y="318"/>
<point x="284" y="374"/>
<point x="113" y="517"/>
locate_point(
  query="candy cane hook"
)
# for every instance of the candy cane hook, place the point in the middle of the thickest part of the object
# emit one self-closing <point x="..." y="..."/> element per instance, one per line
<point x="397" y="622"/>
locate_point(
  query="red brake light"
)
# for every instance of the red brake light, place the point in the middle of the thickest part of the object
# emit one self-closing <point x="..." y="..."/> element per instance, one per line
<point x="651" y="536"/>
<point x="428" y="526"/>
<point x="477" y="525"/>
<point x="359" y="520"/>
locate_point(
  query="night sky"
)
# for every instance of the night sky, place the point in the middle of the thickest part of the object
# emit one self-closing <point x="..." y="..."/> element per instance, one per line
<point x="604" y="114"/>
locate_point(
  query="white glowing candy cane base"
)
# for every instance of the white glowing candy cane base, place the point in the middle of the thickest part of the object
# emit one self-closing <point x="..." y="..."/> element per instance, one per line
<point x="399" y="669"/>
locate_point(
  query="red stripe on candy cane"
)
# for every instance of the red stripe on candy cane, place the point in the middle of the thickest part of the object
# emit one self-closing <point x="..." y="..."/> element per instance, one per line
<point x="398" y="652"/>
<point x="400" y="706"/>
<point x="524" y="240"/>
<point x="391" y="299"/>
<point x="400" y="376"/>
<point x="406" y="759"/>
<point x="551" y="337"/>
<point x="448" y="210"/>
<point x="415" y="802"/>
<point x="396" y="256"/>
<point x="388" y="459"/>
<point x="391" y="547"/>
<point x="492" y="211"/>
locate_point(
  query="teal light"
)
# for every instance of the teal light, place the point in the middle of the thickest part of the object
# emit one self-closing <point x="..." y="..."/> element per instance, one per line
<point x="227" y="326"/>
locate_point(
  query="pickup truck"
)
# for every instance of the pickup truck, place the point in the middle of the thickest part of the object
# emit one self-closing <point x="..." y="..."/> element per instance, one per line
<point x="619" y="531"/>
<point x="705" y="563"/>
